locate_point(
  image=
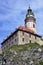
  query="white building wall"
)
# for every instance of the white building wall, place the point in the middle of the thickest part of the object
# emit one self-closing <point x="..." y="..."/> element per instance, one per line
<point x="30" y="26"/>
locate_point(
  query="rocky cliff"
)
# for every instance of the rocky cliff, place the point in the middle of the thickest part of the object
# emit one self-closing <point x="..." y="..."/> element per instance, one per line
<point x="28" y="54"/>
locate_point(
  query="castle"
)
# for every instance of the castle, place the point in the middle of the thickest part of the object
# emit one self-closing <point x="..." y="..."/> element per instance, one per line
<point x="24" y="34"/>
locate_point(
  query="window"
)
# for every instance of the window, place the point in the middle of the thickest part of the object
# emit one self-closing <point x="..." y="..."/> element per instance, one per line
<point x="23" y="39"/>
<point x="30" y="35"/>
<point x="33" y="25"/>
<point x="30" y="41"/>
<point x="9" y="44"/>
<point x="12" y="42"/>
<point x="35" y="37"/>
<point x="42" y="39"/>
<point x="23" y="33"/>
<point x="15" y="40"/>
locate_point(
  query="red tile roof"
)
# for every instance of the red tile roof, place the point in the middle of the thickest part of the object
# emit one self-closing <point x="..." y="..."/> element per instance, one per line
<point x="25" y="29"/>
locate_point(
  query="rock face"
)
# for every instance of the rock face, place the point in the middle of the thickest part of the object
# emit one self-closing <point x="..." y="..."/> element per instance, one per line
<point x="30" y="54"/>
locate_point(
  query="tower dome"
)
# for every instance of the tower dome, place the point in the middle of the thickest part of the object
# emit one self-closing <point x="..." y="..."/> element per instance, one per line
<point x="30" y="11"/>
<point x="30" y="21"/>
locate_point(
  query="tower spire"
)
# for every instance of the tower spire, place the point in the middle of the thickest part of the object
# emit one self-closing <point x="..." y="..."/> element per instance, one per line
<point x="29" y="6"/>
<point x="30" y="21"/>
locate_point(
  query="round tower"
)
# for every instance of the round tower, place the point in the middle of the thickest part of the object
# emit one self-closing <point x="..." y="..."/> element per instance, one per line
<point x="30" y="21"/>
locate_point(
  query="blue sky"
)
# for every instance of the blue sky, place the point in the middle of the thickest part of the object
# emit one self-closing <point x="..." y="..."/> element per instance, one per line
<point x="13" y="12"/>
